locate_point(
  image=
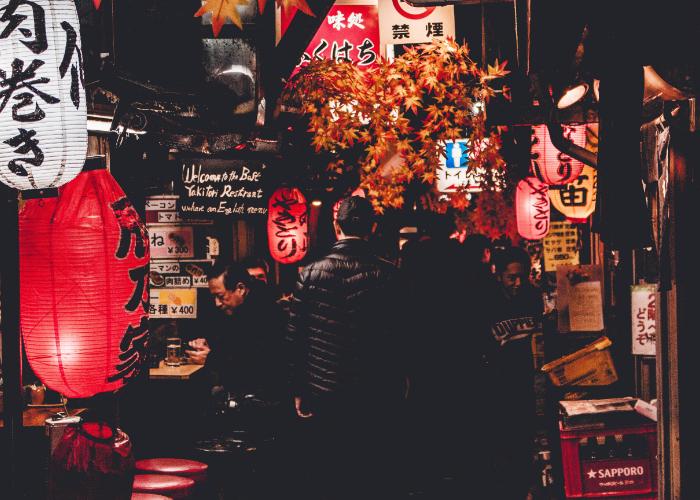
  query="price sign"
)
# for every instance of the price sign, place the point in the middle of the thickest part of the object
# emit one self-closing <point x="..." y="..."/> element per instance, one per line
<point x="173" y="303"/>
<point x="171" y="242"/>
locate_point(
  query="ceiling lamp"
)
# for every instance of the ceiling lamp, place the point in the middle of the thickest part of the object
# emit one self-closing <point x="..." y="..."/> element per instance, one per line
<point x="572" y="94"/>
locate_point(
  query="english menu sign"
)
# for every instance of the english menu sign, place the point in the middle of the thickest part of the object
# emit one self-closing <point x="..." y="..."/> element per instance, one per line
<point x="213" y="188"/>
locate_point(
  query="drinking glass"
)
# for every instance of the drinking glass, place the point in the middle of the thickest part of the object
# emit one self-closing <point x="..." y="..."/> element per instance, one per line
<point x="173" y="351"/>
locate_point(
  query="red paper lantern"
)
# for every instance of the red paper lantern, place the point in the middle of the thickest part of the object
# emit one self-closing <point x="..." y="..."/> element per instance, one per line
<point x="549" y="164"/>
<point x="84" y="286"/>
<point x="532" y="208"/>
<point x="287" y="225"/>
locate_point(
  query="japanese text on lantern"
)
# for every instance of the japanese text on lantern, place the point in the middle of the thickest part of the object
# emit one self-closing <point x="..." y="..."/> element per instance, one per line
<point x="27" y="92"/>
<point x="644" y="320"/>
<point x="134" y="342"/>
<point x="287" y="226"/>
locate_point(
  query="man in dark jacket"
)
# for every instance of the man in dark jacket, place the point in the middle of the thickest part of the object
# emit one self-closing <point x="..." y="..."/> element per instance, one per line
<point x="246" y="352"/>
<point x="346" y="361"/>
<point x="515" y="316"/>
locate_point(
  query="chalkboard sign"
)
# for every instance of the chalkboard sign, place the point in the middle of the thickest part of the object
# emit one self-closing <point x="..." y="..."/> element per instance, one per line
<point x="222" y="188"/>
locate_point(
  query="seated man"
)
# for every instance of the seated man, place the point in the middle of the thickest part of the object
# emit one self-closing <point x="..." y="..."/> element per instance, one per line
<point x="245" y="356"/>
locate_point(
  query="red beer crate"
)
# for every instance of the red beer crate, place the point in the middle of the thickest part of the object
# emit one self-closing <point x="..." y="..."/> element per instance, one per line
<point x="610" y="462"/>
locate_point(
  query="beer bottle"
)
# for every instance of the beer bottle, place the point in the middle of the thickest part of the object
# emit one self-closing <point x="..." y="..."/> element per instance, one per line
<point x="610" y="447"/>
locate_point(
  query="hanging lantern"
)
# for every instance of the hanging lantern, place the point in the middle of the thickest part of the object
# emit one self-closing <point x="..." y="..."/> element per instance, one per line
<point x="287" y="225"/>
<point x="532" y="208"/>
<point x="84" y="259"/>
<point x="549" y="164"/>
<point x="43" y="117"/>
<point x="576" y="200"/>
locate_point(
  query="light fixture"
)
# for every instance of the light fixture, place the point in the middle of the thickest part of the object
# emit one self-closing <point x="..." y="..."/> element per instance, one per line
<point x="572" y="94"/>
<point x="103" y="124"/>
<point x="316" y="203"/>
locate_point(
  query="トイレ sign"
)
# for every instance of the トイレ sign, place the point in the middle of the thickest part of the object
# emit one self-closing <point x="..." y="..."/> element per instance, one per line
<point x="454" y="172"/>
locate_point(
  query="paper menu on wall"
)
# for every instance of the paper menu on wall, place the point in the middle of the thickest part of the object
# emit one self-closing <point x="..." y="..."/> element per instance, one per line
<point x="586" y="307"/>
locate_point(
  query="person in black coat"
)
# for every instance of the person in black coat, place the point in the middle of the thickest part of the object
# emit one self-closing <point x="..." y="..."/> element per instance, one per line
<point x="346" y="362"/>
<point x="246" y="353"/>
<point x="516" y="314"/>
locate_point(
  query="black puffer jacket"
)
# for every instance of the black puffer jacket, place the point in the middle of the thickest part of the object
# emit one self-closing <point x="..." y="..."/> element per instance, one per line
<point x="343" y="327"/>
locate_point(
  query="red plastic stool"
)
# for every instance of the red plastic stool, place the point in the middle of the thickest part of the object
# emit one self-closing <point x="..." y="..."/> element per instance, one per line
<point x="163" y="484"/>
<point x="148" y="496"/>
<point x="196" y="471"/>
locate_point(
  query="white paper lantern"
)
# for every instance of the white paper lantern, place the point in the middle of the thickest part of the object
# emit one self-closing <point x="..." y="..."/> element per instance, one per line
<point x="43" y="113"/>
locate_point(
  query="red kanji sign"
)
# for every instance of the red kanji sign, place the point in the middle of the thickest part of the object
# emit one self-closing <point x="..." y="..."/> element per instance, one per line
<point x="349" y="32"/>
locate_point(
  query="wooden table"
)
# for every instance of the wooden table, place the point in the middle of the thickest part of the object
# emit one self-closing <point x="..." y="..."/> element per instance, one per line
<point x="182" y="372"/>
<point x="35" y="416"/>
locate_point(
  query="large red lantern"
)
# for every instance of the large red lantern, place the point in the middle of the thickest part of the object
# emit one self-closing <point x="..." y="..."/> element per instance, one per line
<point x="532" y="208"/>
<point x="287" y="225"/>
<point x="549" y="164"/>
<point x="84" y="286"/>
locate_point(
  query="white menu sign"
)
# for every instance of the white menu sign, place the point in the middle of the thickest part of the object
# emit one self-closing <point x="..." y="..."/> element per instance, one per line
<point x="644" y="319"/>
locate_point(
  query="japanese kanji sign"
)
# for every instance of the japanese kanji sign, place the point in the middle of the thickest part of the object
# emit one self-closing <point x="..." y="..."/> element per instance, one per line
<point x="400" y="23"/>
<point x="179" y="273"/>
<point x="169" y="303"/>
<point x="43" y="113"/>
<point x="560" y="246"/>
<point x="644" y="319"/>
<point x="349" y="33"/>
<point x="171" y="242"/>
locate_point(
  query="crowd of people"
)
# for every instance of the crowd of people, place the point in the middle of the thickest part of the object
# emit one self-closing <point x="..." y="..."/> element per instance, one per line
<point x="397" y="376"/>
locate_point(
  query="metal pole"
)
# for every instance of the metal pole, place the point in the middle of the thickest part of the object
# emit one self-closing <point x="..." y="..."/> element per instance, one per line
<point x="11" y="348"/>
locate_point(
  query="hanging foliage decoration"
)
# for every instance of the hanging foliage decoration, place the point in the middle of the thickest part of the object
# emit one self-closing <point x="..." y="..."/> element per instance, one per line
<point x="410" y="106"/>
<point x="228" y="9"/>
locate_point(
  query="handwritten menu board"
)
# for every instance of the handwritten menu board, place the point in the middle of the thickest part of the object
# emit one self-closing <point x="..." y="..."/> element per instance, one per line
<point x="214" y="188"/>
<point x="580" y="298"/>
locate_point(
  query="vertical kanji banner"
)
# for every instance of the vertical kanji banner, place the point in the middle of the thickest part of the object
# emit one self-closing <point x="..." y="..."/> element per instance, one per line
<point x="349" y="32"/>
<point x="401" y="23"/>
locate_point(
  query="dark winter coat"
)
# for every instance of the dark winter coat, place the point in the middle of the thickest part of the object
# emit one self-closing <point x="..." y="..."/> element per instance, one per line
<point x="344" y="328"/>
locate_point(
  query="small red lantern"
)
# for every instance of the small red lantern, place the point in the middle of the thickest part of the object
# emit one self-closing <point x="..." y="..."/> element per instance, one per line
<point x="287" y="225"/>
<point x="549" y="164"/>
<point x="532" y="208"/>
<point x="84" y="286"/>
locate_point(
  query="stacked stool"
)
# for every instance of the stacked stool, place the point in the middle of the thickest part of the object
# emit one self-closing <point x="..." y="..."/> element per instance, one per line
<point x="175" y="477"/>
<point x="148" y="496"/>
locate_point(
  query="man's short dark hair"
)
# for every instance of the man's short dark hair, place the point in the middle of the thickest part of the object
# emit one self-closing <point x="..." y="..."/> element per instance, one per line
<point x="355" y="216"/>
<point x="253" y="262"/>
<point x="475" y="244"/>
<point x="233" y="273"/>
<point x="511" y="255"/>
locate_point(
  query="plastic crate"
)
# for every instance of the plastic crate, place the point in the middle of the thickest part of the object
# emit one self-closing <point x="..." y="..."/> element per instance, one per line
<point x="630" y="478"/>
<point x="590" y="366"/>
